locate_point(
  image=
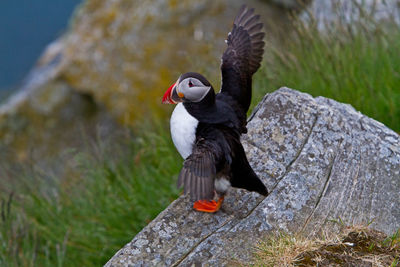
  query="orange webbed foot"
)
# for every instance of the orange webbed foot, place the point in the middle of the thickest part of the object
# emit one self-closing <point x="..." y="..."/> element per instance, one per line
<point x="208" y="206"/>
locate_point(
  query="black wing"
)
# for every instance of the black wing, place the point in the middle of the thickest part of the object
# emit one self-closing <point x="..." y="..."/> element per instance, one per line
<point x="242" y="57"/>
<point x="209" y="155"/>
<point x="197" y="174"/>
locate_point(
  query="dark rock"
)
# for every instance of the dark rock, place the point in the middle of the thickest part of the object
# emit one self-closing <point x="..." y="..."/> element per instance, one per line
<point x="320" y="159"/>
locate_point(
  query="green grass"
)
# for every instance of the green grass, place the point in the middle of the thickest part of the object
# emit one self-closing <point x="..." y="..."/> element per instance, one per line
<point x="111" y="196"/>
<point x="358" y="65"/>
<point x="85" y="221"/>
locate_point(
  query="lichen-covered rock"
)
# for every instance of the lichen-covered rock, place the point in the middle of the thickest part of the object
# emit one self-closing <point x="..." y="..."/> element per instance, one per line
<point x="320" y="159"/>
<point x="121" y="52"/>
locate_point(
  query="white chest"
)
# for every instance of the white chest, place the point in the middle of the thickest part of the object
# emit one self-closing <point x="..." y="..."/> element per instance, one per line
<point x="183" y="130"/>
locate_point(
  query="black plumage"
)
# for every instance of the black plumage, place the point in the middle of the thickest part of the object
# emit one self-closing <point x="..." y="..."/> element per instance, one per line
<point x="217" y="152"/>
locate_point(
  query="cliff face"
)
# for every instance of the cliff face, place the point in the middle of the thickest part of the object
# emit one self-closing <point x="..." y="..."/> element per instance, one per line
<point x="321" y="161"/>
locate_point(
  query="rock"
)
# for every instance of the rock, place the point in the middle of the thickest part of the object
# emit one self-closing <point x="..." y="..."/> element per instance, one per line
<point x="320" y="159"/>
<point x="355" y="11"/>
<point x="121" y="52"/>
<point x="127" y="53"/>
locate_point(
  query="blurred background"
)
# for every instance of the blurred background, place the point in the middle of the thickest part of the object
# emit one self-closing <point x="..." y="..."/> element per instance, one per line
<point x="26" y="28"/>
<point x="86" y="159"/>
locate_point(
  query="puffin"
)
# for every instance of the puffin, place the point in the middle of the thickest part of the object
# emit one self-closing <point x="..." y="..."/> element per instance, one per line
<point x="206" y="127"/>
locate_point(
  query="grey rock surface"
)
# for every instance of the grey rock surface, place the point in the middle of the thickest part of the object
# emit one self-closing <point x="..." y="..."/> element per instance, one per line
<point x="320" y="159"/>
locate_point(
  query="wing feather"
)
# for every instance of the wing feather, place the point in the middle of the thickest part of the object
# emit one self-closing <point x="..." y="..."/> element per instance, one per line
<point x="251" y="22"/>
<point x="255" y="28"/>
<point x="258" y="45"/>
<point x="242" y="17"/>
<point x="258" y="36"/>
<point x="242" y="57"/>
<point x="198" y="172"/>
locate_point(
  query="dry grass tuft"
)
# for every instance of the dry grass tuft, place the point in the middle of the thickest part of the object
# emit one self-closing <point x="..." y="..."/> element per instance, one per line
<point x="282" y="249"/>
<point x="353" y="246"/>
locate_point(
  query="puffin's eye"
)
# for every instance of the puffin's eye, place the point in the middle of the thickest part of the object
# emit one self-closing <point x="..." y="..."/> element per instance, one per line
<point x="190" y="84"/>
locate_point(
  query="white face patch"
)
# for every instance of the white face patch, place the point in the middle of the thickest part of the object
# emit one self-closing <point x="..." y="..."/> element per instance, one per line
<point x="192" y="89"/>
<point x="183" y="130"/>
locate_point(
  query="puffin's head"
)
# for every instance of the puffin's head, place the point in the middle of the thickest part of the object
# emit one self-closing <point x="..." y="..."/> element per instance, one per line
<point x="190" y="87"/>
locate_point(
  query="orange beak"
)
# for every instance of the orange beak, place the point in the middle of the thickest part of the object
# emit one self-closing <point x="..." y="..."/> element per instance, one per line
<point x="167" y="96"/>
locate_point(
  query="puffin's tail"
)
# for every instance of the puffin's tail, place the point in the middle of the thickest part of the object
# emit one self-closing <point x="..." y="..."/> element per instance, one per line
<point x="243" y="176"/>
<point x="246" y="178"/>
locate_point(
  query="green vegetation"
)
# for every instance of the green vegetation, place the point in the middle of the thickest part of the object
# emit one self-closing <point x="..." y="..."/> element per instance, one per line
<point x="83" y="222"/>
<point x="111" y="196"/>
<point x="359" y="65"/>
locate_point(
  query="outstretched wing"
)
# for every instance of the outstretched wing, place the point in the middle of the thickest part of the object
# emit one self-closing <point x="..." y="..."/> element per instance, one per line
<point x="242" y="57"/>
